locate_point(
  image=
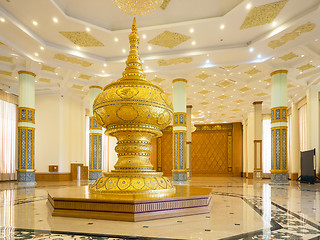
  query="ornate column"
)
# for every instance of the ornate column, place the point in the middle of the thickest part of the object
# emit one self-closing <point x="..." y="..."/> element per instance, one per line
<point x="26" y="128"/>
<point x="179" y="172"/>
<point x="257" y="141"/>
<point x="294" y="144"/>
<point x="95" y="138"/>
<point x="189" y="139"/>
<point x="279" y="172"/>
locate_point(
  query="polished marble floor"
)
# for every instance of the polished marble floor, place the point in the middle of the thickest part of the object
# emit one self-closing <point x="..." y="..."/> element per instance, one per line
<point x="242" y="209"/>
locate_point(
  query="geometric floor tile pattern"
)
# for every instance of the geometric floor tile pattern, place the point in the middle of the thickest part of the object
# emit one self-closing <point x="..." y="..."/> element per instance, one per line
<point x="242" y="209"/>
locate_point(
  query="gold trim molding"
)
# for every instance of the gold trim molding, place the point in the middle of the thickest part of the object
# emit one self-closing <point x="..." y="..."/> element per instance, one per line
<point x="27" y="72"/>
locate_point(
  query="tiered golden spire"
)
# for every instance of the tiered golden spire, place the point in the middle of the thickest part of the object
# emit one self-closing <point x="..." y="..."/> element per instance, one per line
<point x="134" y="69"/>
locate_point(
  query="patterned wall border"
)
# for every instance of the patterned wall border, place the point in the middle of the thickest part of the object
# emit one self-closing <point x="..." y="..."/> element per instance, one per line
<point x="26" y="114"/>
<point x="279" y="149"/>
<point x="279" y="114"/>
<point x="180" y="119"/>
<point x="26" y="149"/>
<point x="95" y="152"/>
<point x="180" y="150"/>
<point x="94" y="124"/>
<point x="159" y="154"/>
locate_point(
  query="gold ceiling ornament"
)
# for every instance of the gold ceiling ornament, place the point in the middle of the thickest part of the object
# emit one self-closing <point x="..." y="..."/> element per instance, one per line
<point x="305" y="67"/>
<point x="82" y="39"/>
<point x="158" y="80"/>
<point x="263" y="14"/>
<point x="220" y="108"/>
<point x="268" y="80"/>
<point x="290" y="85"/>
<point x="229" y="67"/>
<point x="6" y="73"/>
<point x="307" y="27"/>
<point x="222" y="97"/>
<point x="45" y="80"/>
<point x="239" y="101"/>
<point x="203" y="92"/>
<point x="133" y="110"/>
<point x="72" y="60"/>
<point x="252" y="71"/>
<point x="225" y="83"/>
<point x="204" y="103"/>
<point x="48" y="68"/>
<point x="164" y="5"/>
<point x="261" y="94"/>
<point x="6" y="59"/>
<point x="84" y="76"/>
<point x="236" y="110"/>
<point x="174" y="61"/>
<point x="78" y="87"/>
<point x="288" y="56"/>
<point x="169" y="39"/>
<point x="244" y="89"/>
<point x="138" y="7"/>
<point x="1" y="43"/>
<point x="203" y="76"/>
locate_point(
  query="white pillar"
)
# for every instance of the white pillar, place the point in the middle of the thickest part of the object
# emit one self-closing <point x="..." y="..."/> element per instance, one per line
<point x="257" y="139"/>
<point x="244" y="150"/>
<point x="313" y="122"/>
<point x="179" y="172"/>
<point x="279" y="170"/>
<point x="250" y="145"/>
<point x="95" y="138"/>
<point x="26" y="128"/>
<point x="294" y="142"/>
<point x="189" y="139"/>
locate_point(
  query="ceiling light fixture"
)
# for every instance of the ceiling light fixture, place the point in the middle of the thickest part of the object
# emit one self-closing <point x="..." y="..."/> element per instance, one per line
<point x="35" y="23"/>
<point x="42" y="48"/>
<point x="274" y="23"/>
<point x="248" y="6"/>
<point x="191" y="30"/>
<point x="36" y="54"/>
<point x="78" y="47"/>
<point x="138" y="7"/>
<point x="123" y="50"/>
<point x="88" y="29"/>
<point x="105" y="65"/>
<point x="149" y="47"/>
<point x="222" y="26"/>
<point x="2" y="20"/>
<point x="302" y="55"/>
<point x="55" y="20"/>
<point x="116" y="39"/>
<point x="102" y="71"/>
<point x="144" y="36"/>
<point x="259" y="56"/>
<point x="193" y="43"/>
<point x="251" y="49"/>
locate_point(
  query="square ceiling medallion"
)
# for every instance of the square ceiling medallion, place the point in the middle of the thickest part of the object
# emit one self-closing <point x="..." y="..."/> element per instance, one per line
<point x="82" y="39"/>
<point x="203" y="76"/>
<point x="263" y="14"/>
<point x="169" y="39"/>
<point x="305" y="67"/>
<point x="308" y="27"/>
<point x="225" y="83"/>
<point x="288" y="56"/>
<point x="48" y="68"/>
<point x="72" y="60"/>
<point x="174" y="61"/>
<point x="6" y="59"/>
<point x="84" y="76"/>
<point x="6" y="73"/>
<point x="252" y="71"/>
<point x="45" y="80"/>
<point x="158" y="80"/>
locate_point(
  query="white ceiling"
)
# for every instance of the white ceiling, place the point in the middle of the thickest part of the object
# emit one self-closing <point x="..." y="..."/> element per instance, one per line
<point x="213" y="49"/>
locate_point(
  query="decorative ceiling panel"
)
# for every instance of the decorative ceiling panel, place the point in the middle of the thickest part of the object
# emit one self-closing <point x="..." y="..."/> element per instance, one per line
<point x="82" y="39"/>
<point x="225" y="83"/>
<point x="204" y="92"/>
<point x="204" y="103"/>
<point x="174" y="61"/>
<point x="261" y="94"/>
<point x="72" y="60"/>
<point x="288" y="56"/>
<point x="48" y="68"/>
<point x="239" y="101"/>
<point x="308" y="27"/>
<point x="268" y="80"/>
<point x="252" y="71"/>
<point x="305" y="67"/>
<point x="6" y="59"/>
<point x="158" y="80"/>
<point x="164" y="5"/>
<point x="6" y="73"/>
<point x="78" y="87"/>
<point x="244" y="89"/>
<point x="222" y="97"/>
<point x="45" y="80"/>
<point x="169" y="39"/>
<point x="84" y="76"/>
<point x="263" y="14"/>
<point x="203" y="76"/>
<point x="229" y="67"/>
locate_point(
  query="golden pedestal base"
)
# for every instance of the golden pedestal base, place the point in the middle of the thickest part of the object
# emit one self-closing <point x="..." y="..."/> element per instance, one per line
<point x="80" y="203"/>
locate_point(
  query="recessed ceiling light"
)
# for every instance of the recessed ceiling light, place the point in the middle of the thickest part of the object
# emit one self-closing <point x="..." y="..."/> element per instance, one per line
<point x="149" y="47"/>
<point x="36" y="54"/>
<point x="251" y="49"/>
<point x="147" y="67"/>
<point x="248" y="6"/>
<point x="191" y="30"/>
<point x="310" y="61"/>
<point x="42" y="48"/>
<point x="74" y="77"/>
<point x="88" y="29"/>
<point x="123" y="50"/>
<point x="300" y="72"/>
<point x="78" y="47"/>
<point x="55" y="20"/>
<point x="273" y="58"/>
<point x="259" y="80"/>
<point x="144" y="36"/>
<point x="215" y="75"/>
<point x="302" y="55"/>
<point x="116" y="39"/>
<point x="207" y="61"/>
<point x="254" y="66"/>
<point x="193" y="43"/>
<point x="35" y="23"/>
<point x="259" y="56"/>
<point x="105" y="65"/>
<point x="102" y="71"/>
<point x="316" y="40"/>
<point x="222" y="26"/>
<point x="2" y="20"/>
<point x="56" y="73"/>
<point x="274" y="23"/>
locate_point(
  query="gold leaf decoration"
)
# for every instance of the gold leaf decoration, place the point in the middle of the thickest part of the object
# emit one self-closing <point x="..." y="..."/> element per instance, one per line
<point x="244" y="89"/>
<point x="75" y="86"/>
<point x="305" y="67"/>
<point x="229" y="67"/>
<point x="72" y="60"/>
<point x="164" y="5"/>
<point x="222" y="107"/>
<point x="169" y="39"/>
<point x="158" y="80"/>
<point x="48" y="68"/>
<point x="289" y="56"/>
<point x="6" y="73"/>
<point x="261" y="94"/>
<point x="6" y="59"/>
<point x="239" y="101"/>
<point x="203" y="92"/>
<point x="252" y="71"/>
<point x="263" y="14"/>
<point x="222" y="97"/>
<point x="45" y="80"/>
<point x="1" y="43"/>
<point x="204" y="103"/>
<point x="268" y="80"/>
<point x="203" y="76"/>
<point x="308" y="27"/>
<point x="225" y="83"/>
<point x="236" y="110"/>
<point x="174" y="61"/>
<point x="82" y="39"/>
<point x="290" y="86"/>
<point x="84" y="76"/>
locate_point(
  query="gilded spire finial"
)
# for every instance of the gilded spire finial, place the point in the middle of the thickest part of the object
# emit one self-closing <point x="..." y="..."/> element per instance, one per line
<point x="133" y="69"/>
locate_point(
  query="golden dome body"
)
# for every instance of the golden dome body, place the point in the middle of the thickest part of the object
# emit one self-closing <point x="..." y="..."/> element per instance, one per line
<point x="133" y="110"/>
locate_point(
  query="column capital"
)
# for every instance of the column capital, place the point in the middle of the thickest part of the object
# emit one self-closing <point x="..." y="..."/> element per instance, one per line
<point x="278" y="71"/>
<point x="27" y="72"/>
<point x="189" y="106"/>
<point x="179" y="80"/>
<point x="95" y="86"/>
<point x="257" y="102"/>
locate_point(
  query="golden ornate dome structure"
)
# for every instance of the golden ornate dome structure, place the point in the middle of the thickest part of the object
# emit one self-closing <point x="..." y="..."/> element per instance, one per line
<point x="133" y="110"/>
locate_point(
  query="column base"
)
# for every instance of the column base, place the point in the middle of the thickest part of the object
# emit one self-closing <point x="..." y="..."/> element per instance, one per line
<point x="94" y="175"/>
<point x="257" y="174"/>
<point x="180" y="178"/>
<point x="26" y="178"/>
<point x="279" y="179"/>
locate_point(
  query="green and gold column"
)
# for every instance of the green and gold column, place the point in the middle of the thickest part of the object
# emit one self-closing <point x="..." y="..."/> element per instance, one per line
<point x="279" y="167"/>
<point x="179" y="172"/>
<point x="95" y="139"/>
<point x="26" y="128"/>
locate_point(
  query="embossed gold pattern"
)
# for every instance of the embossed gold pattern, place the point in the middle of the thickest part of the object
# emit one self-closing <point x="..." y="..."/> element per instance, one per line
<point x="133" y="110"/>
<point x="6" y="59"/>
<point x="82" y="39"/>
<point x="158" y="80"/>
<point x="169" y="39"/>
<point x="164" y="5"/>
<point x="174" y="61"/>
<point x="138" y="7"/>
<point x="308" y="27"/>
<point x="263" y="14"/>
<point x="305" y="67"/>
<point x="72" y="60"/>
<point x="45" y="80"/>
<point x="225" y="83"/>
<point x="48" y="68"/>
<point x="229" y="67"/>
<point x="3" y="72"/>
<point x="203" y="76"/>
<point x="84" y="76"/>
<point x="252" y="71"/>
<point x="289" y="56"/>
<point x="75" y="86"/>
<point x="244" y="89"/>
